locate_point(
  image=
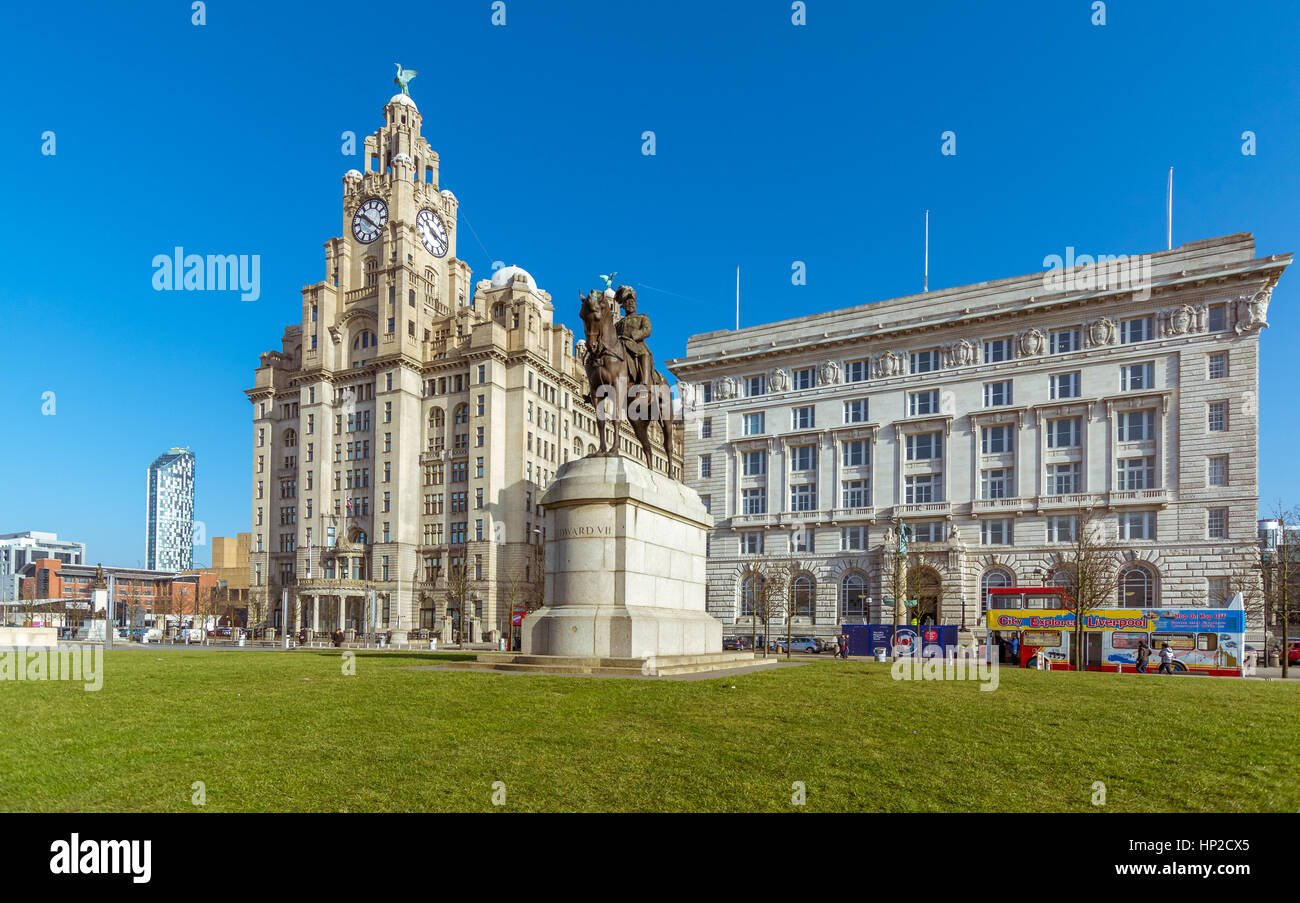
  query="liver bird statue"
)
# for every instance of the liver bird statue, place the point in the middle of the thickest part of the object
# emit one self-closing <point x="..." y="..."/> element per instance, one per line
<point x="404" y="77"/>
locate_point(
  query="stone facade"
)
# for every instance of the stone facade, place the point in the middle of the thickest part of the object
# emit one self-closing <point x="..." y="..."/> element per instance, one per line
<point x="411" y="419"/>
<point x="981" y="415"/>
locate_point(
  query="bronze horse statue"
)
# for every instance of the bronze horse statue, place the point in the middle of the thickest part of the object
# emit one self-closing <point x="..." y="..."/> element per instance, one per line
<point x="610" y="385"/>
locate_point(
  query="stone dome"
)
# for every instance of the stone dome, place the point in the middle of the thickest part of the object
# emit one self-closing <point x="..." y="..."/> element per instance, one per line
<point x="446" y="192"/>
<point x="506" y="275"/>
<point x="404" y="99"/>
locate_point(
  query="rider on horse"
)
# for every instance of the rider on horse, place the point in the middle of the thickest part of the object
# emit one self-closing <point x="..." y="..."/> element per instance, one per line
<point x="633" y="330"/>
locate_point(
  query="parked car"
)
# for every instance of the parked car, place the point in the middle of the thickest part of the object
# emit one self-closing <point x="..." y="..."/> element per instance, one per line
<point x="1293" y="652"/>
<point x="804" y="644"/>
<point x="732" y="644"/>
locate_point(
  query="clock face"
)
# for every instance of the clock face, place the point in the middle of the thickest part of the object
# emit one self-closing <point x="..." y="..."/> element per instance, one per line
<point x="369" y="220"/>
<point x="432" y="232"/>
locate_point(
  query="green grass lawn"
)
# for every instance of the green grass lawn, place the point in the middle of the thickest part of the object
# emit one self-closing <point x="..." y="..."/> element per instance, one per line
<point x="276" y="731"/>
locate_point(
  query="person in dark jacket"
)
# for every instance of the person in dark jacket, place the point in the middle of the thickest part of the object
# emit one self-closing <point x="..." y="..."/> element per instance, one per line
<point x="1143" y="655"/>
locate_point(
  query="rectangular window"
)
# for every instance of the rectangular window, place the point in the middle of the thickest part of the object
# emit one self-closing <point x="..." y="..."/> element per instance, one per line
<point x="1218" y="366"/>
<point x="803" y="497"/>
<point x="997" y="394"/>
<point x="803" y="458"/>
<point x="997" y="350"/>
<point x="802" y="418"/>
<point x="1062" y="528"/>
<point x="853" y="539"/>
<point x="855" y="411"/>
<point x="706" y="393"/>
<point x="923" y="361"/>
<point x="1063" y="479"/>
<point x="755" y="385"/>
<point x="754" y="424"/>
<point x="751" y="543"/>
<point x="1136" y="376"/>
<point x="1065" y="385"/>
<point x="1063" y="341"/>
<point x="1218" y="470"/>
<point x="995" y="532"/>
<point x="1217" y="320"/>
<point x="1136" y="330"/>
<point x="921" y="403"/>
<point x="1135" y="473"/>
<point x="706" y="465"/>
<point x="929" y="531"/>
<point x="1218" y="523"/>
<point x="855" y="453"/>
<point x="996" y="483"/>
<point x="754" y="463"/>
<point x="855" y="371"/>
<point x="1063" y="433"/>
<point x="1137" y="525"/>
<point x="1137" y="426"/>
<point x="856" y="494"/>
<point x="753" y="501"/>
<point x="706" y="428"/>
<point x="924" y="446"/>
<point x="1218" y="417"/>
<point x="995" y="440"/>
<point x="924" y="489"/>
<point x="805" y="378"/>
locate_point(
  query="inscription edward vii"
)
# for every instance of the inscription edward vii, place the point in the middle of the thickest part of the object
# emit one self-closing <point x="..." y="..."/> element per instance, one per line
<point x="585" y="522"/>
<point x="584" y="530"/>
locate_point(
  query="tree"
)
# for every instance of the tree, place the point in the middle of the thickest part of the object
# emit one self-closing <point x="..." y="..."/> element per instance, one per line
<point x="458" y="587"/>
<point x="761" y="591"/>
<point x="163" y="601"/>
<point x="1088" y="568"/>
<point x="511" y="592"/>
<point x="1281" y="572"/>
<point x="787" y="596"/>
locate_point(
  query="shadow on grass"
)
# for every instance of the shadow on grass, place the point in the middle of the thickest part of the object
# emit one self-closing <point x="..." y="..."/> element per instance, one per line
<point x="425" y="657"/>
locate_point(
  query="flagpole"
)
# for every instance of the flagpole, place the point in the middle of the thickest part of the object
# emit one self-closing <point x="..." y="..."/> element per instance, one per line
<point x="925" y="279"/>
<point x="737" y="298"/>
<point x="1169" y="214"/>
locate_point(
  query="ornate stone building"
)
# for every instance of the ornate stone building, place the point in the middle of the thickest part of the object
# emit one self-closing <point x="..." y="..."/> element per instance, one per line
<point x="411" y="420"/>
<point x="985" y="417"/>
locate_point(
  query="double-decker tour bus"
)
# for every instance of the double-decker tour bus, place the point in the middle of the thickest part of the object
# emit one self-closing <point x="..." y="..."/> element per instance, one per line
<point x="1023" y="620"/>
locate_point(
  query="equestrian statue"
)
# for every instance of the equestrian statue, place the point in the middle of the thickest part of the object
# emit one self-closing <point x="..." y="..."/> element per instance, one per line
<point x="621" y="376"/>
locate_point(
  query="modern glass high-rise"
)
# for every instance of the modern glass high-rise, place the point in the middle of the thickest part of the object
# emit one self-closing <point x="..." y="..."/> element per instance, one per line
<point x="169" y="513"/>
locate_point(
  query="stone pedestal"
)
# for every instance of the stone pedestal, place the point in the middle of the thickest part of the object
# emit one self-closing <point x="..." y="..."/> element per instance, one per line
<point x="625" y="571"/>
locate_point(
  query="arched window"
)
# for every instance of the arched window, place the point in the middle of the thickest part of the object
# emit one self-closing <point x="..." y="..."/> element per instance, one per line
<point x="853" y="596"/>
<point x="372" y="271"/>
<point x="748" y="594"/>
<point x="290" y="438"/>
<point x="365" y="339"/>
<point x="462" y="414"/>
<point x="1137" y="588"/>
<point x="804" y="591"/>
<point x="995" y="578"/>
<point x="591" y="449"/>
<point x="577" y="448"/>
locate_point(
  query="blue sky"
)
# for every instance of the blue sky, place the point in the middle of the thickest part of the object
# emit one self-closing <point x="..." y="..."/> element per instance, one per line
<point x="775" y="143"/>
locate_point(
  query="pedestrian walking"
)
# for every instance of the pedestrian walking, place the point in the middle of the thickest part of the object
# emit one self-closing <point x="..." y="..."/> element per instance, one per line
<point x="1166" y="659"/>
<point x="1143" y="656"/>
<point x="844" y="646"/>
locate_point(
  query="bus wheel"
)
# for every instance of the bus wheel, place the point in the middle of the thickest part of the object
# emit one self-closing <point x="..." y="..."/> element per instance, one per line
<point x="1178" y="667"/>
